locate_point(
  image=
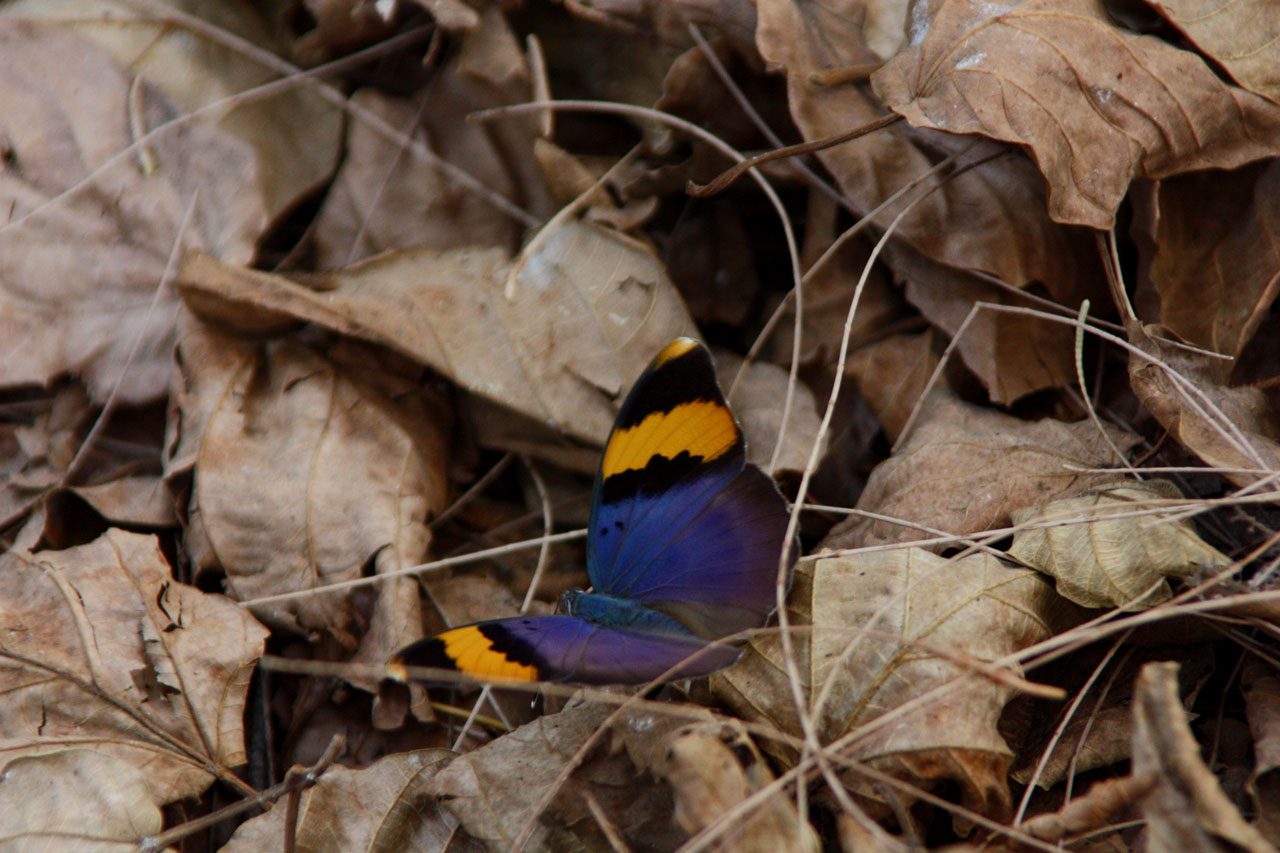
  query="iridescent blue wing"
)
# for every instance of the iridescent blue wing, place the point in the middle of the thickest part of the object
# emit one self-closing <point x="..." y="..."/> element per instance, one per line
<point x="561" y="648"/>
<point x="680" y="521"/>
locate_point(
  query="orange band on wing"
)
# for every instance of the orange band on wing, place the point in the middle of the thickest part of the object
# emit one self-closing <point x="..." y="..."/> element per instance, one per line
<point x="472" y="652"/>
<point x="675" y="349"/>
<point x="704" y="429"/>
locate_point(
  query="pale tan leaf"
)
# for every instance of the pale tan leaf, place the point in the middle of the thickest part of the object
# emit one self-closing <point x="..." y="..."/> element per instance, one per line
<point x="758" y="403"/>
<point x="102" y="649"/>
<point x="714" y="766"/>
<point x="382" y="808"/>
<point x="889" y="627"/>
<point x="75" y="800"/>
<point x="1099" y="561"/>
<point x="966" y="468"/>
<point x="77" y="279"/>
<point x="303" y="471"/>
<point x="558" y="336"/>
<point x="1242" y="36"/>
<point x="1188" y="811"/>
<point x="1095" y="105"/>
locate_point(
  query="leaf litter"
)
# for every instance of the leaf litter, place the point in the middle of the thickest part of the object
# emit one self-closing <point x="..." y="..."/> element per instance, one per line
<point x="1005" y="636"/>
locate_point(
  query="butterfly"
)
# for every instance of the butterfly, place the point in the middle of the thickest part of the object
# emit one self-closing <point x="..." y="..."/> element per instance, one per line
<point x="683" y="550"/>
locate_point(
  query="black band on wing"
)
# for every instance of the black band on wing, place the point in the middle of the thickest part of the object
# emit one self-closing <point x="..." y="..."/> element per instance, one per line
<point x="686" y="378"/>
<point x="657" y="477"/>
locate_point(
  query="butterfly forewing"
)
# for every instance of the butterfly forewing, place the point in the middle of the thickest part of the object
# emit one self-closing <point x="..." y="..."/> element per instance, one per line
<point x="679" y="517"/>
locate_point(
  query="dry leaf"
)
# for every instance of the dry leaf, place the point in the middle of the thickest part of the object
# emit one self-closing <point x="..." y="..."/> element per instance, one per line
<point x="1101" y="805"/>
<point x="103" y="649"/>
<point x="714" y="766"/>
<point x="828" y="292"/>
<point x="758" y="402"/>
<point x="468" y="598"/>
<point x="990" y="218"/>
<point x="1103" y="562"/>
<point x="891" y="375"/>
<point x="494" y="790"/>
<point x="1012" y="354"/>
<point x="965" y="469"/>
<point x="1230" y="428"/>
<point x="385" y="198"/>
<point x="1217" y="253"/>
<point x="558" y="336"/>
<point x="382" y="808"/>
<point x="76" y="799"/>
<point x="1262" y="707"/>
<point x="80" y="276"/>
<point x="1188" y="811"/>
<point x="1110" y="731"/>
<point x="1095" y="105"/>
<point x="1243" y="37"/>
<point x="891" y="626"/>
<point x="34" y="457"/>
<point x="303" y="473"/>
<point x="141" y="501"/>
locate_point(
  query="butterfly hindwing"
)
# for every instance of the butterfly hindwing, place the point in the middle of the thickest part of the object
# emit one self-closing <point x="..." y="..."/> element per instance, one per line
<point x="561" y="648"/>
<point x="680" y="521"/>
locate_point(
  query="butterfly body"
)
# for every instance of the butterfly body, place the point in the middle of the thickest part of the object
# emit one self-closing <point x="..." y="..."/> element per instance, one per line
<point x="684" y="549"/>
<point x="608" y="611"/>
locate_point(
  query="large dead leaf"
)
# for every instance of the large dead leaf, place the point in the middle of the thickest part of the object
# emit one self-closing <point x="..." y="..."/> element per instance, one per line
<point x="889" y="627"/>
<point x="557" y="336"/>
<point x="75" y="800"/>
<point x="965" y="469"/>
<point x="303" y="472"/>
<point x="102" y="649"/>
<point x="1188" y="811"/>
<point x="1230" y="428"/>
<point x="1094" y="105"/>
<point x="991" y="218"/>
<point x="384" y="807"/>
<point x="1099" y="561"/>
<point x="77" y="279"/>
<point x="1243" y="37"/>
<point x="1217" y="253"/>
